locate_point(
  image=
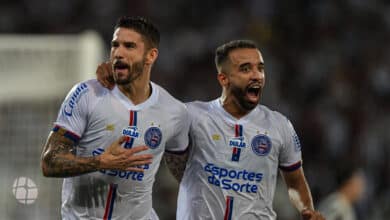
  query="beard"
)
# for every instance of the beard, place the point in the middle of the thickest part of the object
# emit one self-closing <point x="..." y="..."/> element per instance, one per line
<point x="239" y="95"/>
<point x="134" y="71"/>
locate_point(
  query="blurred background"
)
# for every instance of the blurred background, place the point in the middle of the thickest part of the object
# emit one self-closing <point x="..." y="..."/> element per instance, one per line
<point x="327" y="68"/>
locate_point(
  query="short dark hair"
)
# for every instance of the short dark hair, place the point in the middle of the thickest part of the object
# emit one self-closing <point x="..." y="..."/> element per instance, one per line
<point x="222" y="52"/>
<point x="143" y="26"/>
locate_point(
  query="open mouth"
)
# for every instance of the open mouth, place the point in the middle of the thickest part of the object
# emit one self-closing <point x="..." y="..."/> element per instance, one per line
<point x="253" y="92"/>
<point x="120" y="65"/>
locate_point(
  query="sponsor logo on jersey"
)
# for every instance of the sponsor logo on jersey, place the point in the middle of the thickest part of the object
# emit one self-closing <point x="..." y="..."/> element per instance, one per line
<point x="131" y="131"/>
<point x="237" y="142"/>
<point x="216" y="137"/>
<point x="74" y="99"/>
<point x="153" y="137"/>
<point x="110" y="127"/>
<point x="136" y="176"/>
<point x="261" y="145"/>
<point x="232" y="179"/>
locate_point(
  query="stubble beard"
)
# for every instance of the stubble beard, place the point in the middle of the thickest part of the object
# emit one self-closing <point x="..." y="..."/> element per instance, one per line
<point x="134" y="72"/>
<point x="239" y="95"/>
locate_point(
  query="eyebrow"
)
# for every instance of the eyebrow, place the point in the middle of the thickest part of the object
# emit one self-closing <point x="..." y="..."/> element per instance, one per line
<point x="127" y="43"/>
<point x="245" y="64"/>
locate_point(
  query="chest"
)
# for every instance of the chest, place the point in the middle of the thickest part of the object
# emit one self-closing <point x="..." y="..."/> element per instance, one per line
<point x="110" y="119"/>
<point x="251" y="145"/>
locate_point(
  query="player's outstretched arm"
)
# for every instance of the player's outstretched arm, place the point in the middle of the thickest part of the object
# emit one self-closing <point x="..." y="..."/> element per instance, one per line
<point x="299" y="194"/>
<point x="176" y="163"/>
<point x="58" y="158"/>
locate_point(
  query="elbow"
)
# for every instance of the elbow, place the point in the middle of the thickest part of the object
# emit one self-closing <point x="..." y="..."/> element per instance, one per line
<point x="45" y="170"/>
<point x="45" y="167"/>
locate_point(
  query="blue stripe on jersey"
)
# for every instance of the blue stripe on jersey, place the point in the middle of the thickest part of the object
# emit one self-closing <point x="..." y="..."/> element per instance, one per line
<point x="236" y="152"/>
<point x="135" y="118"/>
<point x="132" y="122"/>
<point x="114" y="187"/>
<point x="229" y="208"/>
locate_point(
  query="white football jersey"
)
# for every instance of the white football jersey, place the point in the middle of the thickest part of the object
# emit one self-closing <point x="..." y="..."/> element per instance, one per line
<point x="95" y="117"/>
<point x="233" y="164"/>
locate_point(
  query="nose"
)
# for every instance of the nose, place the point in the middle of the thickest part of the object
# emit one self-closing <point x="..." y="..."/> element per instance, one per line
<point x="258" y="75"/>
<point x="117" y="52"/>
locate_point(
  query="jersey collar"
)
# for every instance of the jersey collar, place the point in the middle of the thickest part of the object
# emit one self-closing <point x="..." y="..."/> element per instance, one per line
<point x="216" y="104"/>
<point x="130" y="105"/>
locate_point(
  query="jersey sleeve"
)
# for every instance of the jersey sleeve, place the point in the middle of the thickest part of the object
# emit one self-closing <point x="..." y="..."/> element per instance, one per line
<point x="178" y="143"/>
<point x="74" y="111"/>
<point x="290" y="157"/>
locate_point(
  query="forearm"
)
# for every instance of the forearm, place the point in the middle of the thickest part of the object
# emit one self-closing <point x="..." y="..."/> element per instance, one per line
<point x="59" y="160"/>
<point x="176" y="163"/>
<point x="298" y="190"/>
<point x="300" y="196"/>
<point x="67" y="165"/>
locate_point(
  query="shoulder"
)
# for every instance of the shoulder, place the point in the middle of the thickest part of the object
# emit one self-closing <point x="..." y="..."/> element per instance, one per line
<point x="198" y="105"/>
<point x="273" y="115"/>
<point x="199" y="110"/>
<point x="95" y="88"/>
<point x="85" y="94"/>
<point x="89" y="88"/>
<point x="167" y="100"/>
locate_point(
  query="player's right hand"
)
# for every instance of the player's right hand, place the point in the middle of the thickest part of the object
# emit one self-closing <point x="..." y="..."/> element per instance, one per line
<point x="311" y="215"/>
<point x="104" y="75"/>
<point x="115" y="157"/>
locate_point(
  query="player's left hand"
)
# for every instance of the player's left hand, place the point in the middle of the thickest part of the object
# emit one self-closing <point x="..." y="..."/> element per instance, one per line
<point x="308" y="214"/>
<point x="104" y="75"/>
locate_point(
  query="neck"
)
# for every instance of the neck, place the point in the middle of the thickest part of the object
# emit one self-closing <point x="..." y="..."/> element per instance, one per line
<point x="231" y="105"/>
<point x="137" y="91"/>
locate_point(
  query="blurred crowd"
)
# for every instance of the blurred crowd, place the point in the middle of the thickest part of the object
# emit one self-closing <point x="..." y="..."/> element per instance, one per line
<point x="327" y="67"/>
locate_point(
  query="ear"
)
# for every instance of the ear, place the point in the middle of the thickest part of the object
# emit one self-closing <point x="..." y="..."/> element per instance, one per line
<point x="223" y="79"/>
<point x="151" y="56"/>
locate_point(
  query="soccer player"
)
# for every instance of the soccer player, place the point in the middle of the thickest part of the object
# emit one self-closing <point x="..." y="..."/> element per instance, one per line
<point x="104" y="140"/>
<point x="238" y="146"/>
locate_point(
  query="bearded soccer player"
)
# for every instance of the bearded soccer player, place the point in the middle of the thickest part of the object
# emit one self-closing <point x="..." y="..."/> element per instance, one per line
<point x="104" y="140"/>
<point x="238" y="146"/>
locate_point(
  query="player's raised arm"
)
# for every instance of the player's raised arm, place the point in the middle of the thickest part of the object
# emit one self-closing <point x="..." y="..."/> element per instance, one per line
<point x="104" y="75"/>
<point x="299" y="193"/>
<point x="58" y="158"/>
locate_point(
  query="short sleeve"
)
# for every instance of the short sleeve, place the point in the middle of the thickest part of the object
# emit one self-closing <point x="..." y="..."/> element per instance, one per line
<point x="74" y="110"/>
<point x="178" y="143"/>
<point x="290" y="157"/>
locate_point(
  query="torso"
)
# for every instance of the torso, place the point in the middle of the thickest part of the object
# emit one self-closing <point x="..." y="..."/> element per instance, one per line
<point x="233" y="164"/>
<point x="124" y="194"/>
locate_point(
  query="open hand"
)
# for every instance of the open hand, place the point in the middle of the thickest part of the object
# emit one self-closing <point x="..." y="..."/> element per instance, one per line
<point x="104" y="75"/>
<point x="116" y="157"/>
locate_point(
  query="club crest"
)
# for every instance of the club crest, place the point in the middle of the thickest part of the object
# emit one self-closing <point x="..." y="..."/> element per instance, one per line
<point x="261" y="145"/>
<point x="153" y="137"/>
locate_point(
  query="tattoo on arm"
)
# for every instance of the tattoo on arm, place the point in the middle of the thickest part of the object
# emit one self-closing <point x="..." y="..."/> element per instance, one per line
<point x="59" y="158"/>
<point x="176" y="164"/>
